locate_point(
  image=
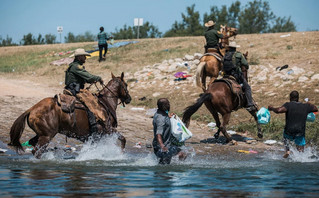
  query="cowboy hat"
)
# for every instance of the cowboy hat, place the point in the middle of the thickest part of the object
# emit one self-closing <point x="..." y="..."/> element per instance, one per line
<point x="80" y="51"/>
<point x="233" y="44"/>
<point x="209" y="23"/>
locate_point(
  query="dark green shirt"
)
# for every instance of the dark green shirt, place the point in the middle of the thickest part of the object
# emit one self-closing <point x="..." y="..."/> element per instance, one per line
<point x="76" y="73"/>
<point x="212" y="37"/>
<point x="239" y="60"/>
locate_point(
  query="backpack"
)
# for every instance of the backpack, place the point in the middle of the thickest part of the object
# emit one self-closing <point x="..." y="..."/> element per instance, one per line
<point x="228" y="62"/>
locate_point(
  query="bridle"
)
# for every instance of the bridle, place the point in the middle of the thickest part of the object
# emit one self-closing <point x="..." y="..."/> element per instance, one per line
<point x="121" y="83"/>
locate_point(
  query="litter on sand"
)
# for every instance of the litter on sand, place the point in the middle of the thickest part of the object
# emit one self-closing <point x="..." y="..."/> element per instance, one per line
<point x="211" y="124"/>
<point x="247" y="152"/>
<point x="3" y="150"/>
<point x="230" y="132"/>
<point x="151" y="112"/>
<point x="137" y="109"/>
<point x="270" y="142"/>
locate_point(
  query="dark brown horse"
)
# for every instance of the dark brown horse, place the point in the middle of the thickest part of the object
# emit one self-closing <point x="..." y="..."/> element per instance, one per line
<point x="46" y="118"/>
<point x="210" y="64"/>
<point x="218" y="98"/>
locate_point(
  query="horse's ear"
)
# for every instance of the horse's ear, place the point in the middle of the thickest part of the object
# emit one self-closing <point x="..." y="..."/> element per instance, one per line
<point x="122" y="75"/>
<point x="112" y="75"/>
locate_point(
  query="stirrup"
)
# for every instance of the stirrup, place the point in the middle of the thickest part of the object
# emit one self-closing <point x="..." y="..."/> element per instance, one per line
<point x="251" y="108"/>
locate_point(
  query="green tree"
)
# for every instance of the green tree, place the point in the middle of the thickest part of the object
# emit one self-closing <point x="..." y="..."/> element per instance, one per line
<point x="39" y="40"/>
<point x="28" y="39"/>
<point x="283" y="25"/>
<point x="7" y="41"/>
<point x="147" y="30"/>
<point x="50" y="38"/>
<point x="70" y="38"/>
<point x="233" y="13"/>
<point x="190" y="26"/>
<point x="255" y="18"/>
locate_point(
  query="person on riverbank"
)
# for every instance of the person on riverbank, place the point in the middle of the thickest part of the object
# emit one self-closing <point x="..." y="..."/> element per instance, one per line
<point x="296" y="116"/>
<point x="163" y="146"/>
<point x="102" y="43"/>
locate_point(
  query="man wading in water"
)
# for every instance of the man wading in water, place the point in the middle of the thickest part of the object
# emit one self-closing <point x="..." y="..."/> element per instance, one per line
<point x="163" y="138"/>
<point x="296" y="116"/>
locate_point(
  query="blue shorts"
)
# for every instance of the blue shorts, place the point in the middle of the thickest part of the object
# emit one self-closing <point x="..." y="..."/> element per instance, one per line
<point x="299" y="140"/>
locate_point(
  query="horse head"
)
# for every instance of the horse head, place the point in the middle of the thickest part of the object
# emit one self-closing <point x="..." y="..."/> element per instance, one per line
<point x="228" y="31"/>
<point x="117" y="88"/>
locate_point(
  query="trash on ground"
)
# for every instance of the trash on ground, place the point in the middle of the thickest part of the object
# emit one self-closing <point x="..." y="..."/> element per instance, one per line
<point x="247" y="152"/>
<point x="3" y="150"/>
<point x="143" y="98"/>
<point x="151" y="112"/>
<point x="270" y="142"/>
<point x="282" y="67"/>
<point x="211" y="124"/>
<point x="286" y="35"/>
<point x="137" y="109"/>
<point x="290" y="71"/>
<point x="230" y="132"/>
<point x="138" y="145"/>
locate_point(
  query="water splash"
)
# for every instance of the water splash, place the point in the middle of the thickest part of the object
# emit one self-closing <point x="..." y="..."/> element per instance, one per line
<point x="105" y="149"/>
<point x="309" y="155"/>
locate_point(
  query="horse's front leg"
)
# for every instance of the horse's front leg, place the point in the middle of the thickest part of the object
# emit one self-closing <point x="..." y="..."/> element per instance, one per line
<point x="122" y="140"/>
<point x="254" y="114"/>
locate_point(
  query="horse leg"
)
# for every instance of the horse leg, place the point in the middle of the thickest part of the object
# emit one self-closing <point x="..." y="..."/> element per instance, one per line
<point x="33" y="141"/>
<point x="211" y="109"/>
<point x="204" y="81"/>
<point x="122" y="140"/>
<point x="254" y="114"/>
<point x="41" y="146"/>
<point x="226" y="118"/>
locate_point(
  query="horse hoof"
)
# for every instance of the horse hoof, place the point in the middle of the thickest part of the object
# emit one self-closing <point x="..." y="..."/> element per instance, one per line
<point x="216" y="136"/>
<point x="260" y="135"/>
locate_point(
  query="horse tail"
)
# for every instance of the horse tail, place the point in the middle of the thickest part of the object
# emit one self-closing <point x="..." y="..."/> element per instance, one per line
<point x="17" y="130"/>
<point x="190" y="110"/>
<point x="199" y="74"/>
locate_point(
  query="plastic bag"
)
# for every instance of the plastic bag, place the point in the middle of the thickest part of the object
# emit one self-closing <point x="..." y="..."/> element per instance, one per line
<point x="179" y="130"/>
<point x="311" y="117"/>
<point x="263" y="116"/>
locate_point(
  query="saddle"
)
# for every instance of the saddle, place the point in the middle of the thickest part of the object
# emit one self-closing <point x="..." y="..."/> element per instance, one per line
<point x="213" y="52"/>
<point x="83" y="100"/>
<point x="235" y="88"/>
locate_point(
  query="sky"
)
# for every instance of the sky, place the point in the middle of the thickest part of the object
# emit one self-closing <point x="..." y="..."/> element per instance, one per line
<point x="20" y="17"/>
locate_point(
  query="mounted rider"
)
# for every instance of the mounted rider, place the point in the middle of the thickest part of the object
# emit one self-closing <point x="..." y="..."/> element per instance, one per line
<point x="212" y="36"/>
<point x="234" y="63"/>
<point x="75" y="78"/>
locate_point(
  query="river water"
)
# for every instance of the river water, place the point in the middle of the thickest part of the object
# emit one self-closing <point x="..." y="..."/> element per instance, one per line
<point x="101" y="170"/>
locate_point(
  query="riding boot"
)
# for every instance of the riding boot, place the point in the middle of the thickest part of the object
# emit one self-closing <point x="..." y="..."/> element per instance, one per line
<point x="250" y="104"/>
<point x="92" y="123"/>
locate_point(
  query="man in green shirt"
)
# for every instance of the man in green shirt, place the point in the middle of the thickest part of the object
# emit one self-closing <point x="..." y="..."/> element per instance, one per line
<point x="212" y="36"/>
<point x="76" y="76"/>
<point x="234" y="63"/>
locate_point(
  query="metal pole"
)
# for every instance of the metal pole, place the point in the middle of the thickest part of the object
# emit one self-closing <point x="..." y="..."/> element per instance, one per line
<point x="60" y="38"/>
<point x="138" y="31"/>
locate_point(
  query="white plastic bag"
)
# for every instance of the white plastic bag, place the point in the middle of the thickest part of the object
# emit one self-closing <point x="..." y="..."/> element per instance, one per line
<point x="179" y="130"/>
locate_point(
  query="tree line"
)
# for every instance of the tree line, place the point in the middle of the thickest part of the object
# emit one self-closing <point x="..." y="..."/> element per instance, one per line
<point x="254" y="17"/>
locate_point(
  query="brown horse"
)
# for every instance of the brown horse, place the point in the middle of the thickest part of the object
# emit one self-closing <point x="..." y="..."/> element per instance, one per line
<point x="46" y="118"/>
<point x="210" y="64"/>
<point x="218" y="98"/>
